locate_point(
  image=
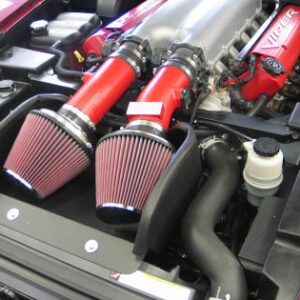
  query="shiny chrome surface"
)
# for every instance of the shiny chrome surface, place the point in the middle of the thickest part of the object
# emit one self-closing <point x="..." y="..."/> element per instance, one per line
<point x="67" y="124"/>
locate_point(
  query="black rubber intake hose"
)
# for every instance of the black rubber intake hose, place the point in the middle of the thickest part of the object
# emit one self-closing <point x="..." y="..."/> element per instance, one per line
<point x="259" y="105"/>
<point x="60" y="68"/>
<point x="208" y="252"/>
<point x="60" y="65"/>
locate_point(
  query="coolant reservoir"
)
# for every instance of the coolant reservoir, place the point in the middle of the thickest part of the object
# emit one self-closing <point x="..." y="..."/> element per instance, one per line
<point x="263" y="169"/>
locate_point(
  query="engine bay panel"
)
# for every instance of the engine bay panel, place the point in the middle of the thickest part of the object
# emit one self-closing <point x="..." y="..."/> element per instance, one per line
<point x="150" y="154"/>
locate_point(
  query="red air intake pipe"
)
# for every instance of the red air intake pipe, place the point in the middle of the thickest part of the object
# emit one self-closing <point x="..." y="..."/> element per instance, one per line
<point x="160" y="98"/>
<point x="277" y="51"/>
<point x="52" y="148"/>
<point x="93" y="45"/>
<point x="103" y="89"/>
<point x="130" y="161"/>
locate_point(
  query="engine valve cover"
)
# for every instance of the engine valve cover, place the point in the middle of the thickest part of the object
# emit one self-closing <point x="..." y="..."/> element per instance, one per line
<point x="278" y="51"/>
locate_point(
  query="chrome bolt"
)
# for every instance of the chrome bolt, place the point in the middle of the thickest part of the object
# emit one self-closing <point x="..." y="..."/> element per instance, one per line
<point x="91" y="246"/>
<point x="12" y="214"/>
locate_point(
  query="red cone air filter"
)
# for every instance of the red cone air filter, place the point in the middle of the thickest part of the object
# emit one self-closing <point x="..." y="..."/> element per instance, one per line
<point x="51" y="148"/>
<point x="128" y="165"/>
<point x="44" y="156"/>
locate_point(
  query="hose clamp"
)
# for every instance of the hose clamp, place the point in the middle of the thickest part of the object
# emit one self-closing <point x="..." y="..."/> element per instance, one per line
<point x="78" y="118"/>
<point x="75" y="131"/>
<point x="208" y="142"/>
<point x="146" y="123"/>
<point x="187" y="58"/>
<point x="132" y="53"/>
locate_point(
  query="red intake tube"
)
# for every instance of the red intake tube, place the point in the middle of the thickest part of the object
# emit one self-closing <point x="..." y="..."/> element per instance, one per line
<point x="166" y="88"/>
<point x="278" y="51"/>
<point x="104" y="88"/>
<point x="94" y="43"/>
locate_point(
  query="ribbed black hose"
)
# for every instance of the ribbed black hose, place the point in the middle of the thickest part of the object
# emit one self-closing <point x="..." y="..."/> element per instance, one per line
<point x="62" y="60"/>
<point x="202" y="244"/>
<point x="259" y="105"/>
<point x="223" y="127"/>
<point x="60" y="65"/>
<point x="252" y="70"/>
<point x="246" y="106"/>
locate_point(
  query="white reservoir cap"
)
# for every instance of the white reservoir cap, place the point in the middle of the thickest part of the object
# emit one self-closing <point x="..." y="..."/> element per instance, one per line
<point x="263" y="169"/>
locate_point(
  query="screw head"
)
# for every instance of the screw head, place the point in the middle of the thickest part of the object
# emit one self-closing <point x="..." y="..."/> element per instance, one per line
<point x="91" y="246"/>
<point x="12" y="214"/>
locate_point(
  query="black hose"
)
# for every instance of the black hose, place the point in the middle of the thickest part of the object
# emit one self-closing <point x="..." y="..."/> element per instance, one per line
<point x="224" y="128"/>
<point x="60" y="65"/>
<point x="114" y="120"/>
<point x="205" y="132"/>
<point x="199" y="99"/>
<point x="259" y="105"/>
<point x="295" y="81"/>
<point x="29" y="104"/>
<point x="202" y="244"/>
<point x="246" y="106"/>
<point x="238" y="101"/>
<point x="93" y="61"/>
<point x="252" y="70"/>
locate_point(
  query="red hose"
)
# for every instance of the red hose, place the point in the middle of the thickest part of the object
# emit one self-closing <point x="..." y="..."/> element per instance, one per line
<point x="103" y="89"/>
<point x="166" y="87"/>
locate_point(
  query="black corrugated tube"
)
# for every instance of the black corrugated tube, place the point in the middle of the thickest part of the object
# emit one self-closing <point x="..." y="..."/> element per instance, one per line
<point x="259" y="105"/>
<point x="60" y="68"/>
<point x="208" y="252"/>
<point x="60" y="65"/>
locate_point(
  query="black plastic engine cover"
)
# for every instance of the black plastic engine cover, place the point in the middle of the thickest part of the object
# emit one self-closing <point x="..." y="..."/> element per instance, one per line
<point x="271" y="251"/>
<point x="171" y="194"/>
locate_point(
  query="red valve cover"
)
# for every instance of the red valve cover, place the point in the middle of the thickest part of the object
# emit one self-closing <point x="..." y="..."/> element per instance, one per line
<point x="94" y="43"/>
<point x="281" y="42"/>
<point x="12" y="11"/>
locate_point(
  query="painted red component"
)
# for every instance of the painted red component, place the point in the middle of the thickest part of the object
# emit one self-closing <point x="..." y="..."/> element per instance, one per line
<point x="166" y="87"/>
<point x="12" y="11"/>
<point x="86" y="77"/>
<point x="103" y="89"/>
<point x="280" y="42"/>
<point x="93" y="44"/>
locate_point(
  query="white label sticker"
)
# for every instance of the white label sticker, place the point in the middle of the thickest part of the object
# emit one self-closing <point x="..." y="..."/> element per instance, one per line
<point x="4" y="4"/>
<point x="144" y="108"/>
<point x="156" y="287"/>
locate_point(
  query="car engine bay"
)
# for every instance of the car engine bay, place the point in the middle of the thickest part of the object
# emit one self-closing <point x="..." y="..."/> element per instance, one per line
<point x="150" y="149"/>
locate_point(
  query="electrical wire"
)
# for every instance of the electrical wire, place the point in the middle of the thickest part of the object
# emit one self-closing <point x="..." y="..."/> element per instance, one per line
<point x="225" y="128"/>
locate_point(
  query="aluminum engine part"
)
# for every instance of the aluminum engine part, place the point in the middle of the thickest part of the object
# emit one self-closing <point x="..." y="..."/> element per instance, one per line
<point x="93" y="45"/>
<point x="217" y="100"/>
<point x="205" y="24"/>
